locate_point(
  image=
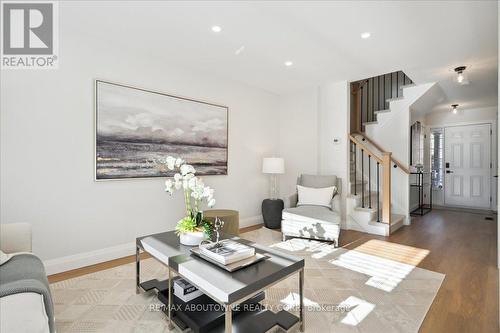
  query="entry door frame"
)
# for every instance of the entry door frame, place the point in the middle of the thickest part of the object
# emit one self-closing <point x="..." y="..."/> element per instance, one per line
<point x="493" y="157"/>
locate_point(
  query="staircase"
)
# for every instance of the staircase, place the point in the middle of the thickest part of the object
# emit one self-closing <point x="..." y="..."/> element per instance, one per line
<point x="379" y="178"/>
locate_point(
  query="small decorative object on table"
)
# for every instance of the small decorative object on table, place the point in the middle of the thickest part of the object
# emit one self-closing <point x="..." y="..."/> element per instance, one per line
<point x="218" y="226"/>
<point x="193" y="228"/>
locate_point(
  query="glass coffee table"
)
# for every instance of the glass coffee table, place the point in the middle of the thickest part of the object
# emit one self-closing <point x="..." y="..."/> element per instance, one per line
<point x="230" y="300"/>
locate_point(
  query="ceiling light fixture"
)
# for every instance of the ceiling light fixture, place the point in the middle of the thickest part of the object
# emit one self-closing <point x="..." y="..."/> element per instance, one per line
<point x="241" y="49"/>
<point x="461" y="79"/>
<point x="288" y="63"/>
<point x="216" y="28"/>
<point x="454" y="110"/>
<point x="365" y="35"/>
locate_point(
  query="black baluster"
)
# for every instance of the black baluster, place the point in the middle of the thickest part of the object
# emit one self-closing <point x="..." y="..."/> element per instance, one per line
<point x="378" y="193"/>
<point x="369" y="182"/>
<point x="368" y="100"/>
<point x="362" y="179"/>
<point x="397" y="84"/>
<point x="373" y="100"/>
<point x="384" y="98"/>
<point x="390" y="95"/>
<point x="355" y="179"/>
<point x="361" y="110"/>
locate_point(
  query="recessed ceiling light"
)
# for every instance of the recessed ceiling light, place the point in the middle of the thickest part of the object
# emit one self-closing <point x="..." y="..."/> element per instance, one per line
<point x="365" y="35"/>
<point x="216" y="28"/>
<point x="241" y="49"/>
<point x="288" y="63"/>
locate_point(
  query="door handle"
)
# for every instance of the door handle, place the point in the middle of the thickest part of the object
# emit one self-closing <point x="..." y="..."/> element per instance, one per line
<point x="449" y="171"/>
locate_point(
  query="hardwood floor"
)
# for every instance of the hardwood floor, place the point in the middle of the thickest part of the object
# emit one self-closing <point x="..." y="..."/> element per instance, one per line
<point x="463" y="246"/>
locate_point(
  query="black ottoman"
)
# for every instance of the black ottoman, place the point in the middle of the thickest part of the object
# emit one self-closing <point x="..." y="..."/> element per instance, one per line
<point x="271" y="212"/>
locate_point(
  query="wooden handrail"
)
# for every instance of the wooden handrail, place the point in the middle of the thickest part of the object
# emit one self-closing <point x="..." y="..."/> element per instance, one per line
<point x="394" y="160"/>
<point x="365" y="148"/>
<point x="385" y="162"/>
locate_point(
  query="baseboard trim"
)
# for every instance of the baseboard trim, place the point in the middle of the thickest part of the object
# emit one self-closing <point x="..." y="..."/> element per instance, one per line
<point x="63" y="264"/>
<point x="250" y="221"/>
<point x="68" y="263"/>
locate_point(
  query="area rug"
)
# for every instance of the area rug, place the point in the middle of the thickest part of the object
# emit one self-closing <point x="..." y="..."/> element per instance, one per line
<point x="375" y="287"/>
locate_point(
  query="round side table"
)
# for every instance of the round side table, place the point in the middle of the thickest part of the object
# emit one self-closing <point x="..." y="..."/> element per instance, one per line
<point x="271" y="212"/>
<point x="230" y="217"/>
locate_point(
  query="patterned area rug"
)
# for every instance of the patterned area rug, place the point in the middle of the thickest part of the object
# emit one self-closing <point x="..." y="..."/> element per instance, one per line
<point x="372" y="288"/>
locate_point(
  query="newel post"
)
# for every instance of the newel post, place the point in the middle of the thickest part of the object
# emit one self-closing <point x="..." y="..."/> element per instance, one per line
<point x="386" y="188"/>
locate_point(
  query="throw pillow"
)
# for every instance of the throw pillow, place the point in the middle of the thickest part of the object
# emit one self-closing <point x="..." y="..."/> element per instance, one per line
<point x="316" y="196"/>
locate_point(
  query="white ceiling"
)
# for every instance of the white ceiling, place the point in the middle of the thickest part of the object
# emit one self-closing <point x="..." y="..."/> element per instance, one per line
<point x="423" y="38"/>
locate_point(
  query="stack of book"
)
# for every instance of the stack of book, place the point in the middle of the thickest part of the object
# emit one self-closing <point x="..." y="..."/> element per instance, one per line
<point x="227" y="251"/>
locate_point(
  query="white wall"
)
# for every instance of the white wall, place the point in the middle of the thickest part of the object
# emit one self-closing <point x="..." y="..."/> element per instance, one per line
<point x="47" y="151"/>
<point x="333" y="127"/>
<point x="298" y="136"/>
<point x="467" y="117"/>
<point x="310" y="120"/>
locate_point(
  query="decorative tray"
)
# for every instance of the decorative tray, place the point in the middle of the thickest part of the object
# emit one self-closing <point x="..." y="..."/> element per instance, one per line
<point x="233" y="266"/>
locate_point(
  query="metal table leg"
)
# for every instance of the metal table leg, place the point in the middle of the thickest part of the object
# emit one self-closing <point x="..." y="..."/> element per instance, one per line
<point x="170" y="300"/>
<point x="137" y="270"/>
<point x="301" y="304"/>
<point x="229" y="319"/>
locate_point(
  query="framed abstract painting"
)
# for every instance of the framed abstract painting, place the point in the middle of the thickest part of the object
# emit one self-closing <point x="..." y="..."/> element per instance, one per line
<point x="136" y="129"/>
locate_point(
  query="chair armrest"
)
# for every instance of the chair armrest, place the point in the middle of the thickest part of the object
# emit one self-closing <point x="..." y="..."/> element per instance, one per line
<point x="291" y="200"/>
<point x="15" y="237"/>
<point x="336" y="203"/>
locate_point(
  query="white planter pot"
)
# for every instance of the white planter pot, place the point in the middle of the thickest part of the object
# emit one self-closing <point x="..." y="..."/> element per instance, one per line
<point x="192" y="238"/>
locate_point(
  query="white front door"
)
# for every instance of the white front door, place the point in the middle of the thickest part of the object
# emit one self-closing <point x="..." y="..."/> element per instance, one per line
<point x="467" y="155"/>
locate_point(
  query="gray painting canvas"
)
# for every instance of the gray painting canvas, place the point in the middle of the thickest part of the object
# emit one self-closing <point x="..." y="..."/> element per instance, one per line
<point x="136" y="129"/>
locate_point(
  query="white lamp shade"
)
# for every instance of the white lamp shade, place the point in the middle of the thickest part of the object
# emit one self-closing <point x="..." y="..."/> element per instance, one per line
<point x="273" y="165"/>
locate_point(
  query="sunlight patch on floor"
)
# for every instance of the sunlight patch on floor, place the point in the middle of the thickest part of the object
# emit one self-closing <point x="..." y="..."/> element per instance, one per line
<point x="402" y="253"/>
<point x="320" y="249"/>
<point x="384" y="262"/>
<point x="292" y="301"/>
<point x="358" y="310"/>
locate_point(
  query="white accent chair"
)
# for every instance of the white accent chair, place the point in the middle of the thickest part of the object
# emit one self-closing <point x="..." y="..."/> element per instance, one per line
<point x="314" y="222"/>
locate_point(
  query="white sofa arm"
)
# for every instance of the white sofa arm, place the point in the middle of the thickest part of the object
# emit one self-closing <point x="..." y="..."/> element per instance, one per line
<point x="291" y="200"/>
<point x="15" y="237"/>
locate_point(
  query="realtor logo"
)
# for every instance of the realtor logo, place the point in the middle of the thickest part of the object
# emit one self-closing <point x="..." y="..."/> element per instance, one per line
<point x="29" y="35"/>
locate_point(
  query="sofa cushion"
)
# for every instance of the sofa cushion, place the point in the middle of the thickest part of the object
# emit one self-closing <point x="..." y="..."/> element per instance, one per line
<point x="317" y="181"/>
<point x="311" y="214"/>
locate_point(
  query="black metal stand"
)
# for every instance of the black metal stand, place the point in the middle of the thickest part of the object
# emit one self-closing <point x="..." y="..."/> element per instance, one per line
<point x="422" y="208"/>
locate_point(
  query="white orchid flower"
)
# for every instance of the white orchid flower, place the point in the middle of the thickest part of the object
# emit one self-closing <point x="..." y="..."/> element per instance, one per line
<point x="170" y="162"/>
<point x="208" y="192"/>
<point x="168" y="186"/>
<point x="178" y="184"/>
<point x="177" y="177"/>
<point x="211" y="203"/>
<point x="192" y="183"/>
<point x="178" y="162"/>
<point x="187" y="169"/>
